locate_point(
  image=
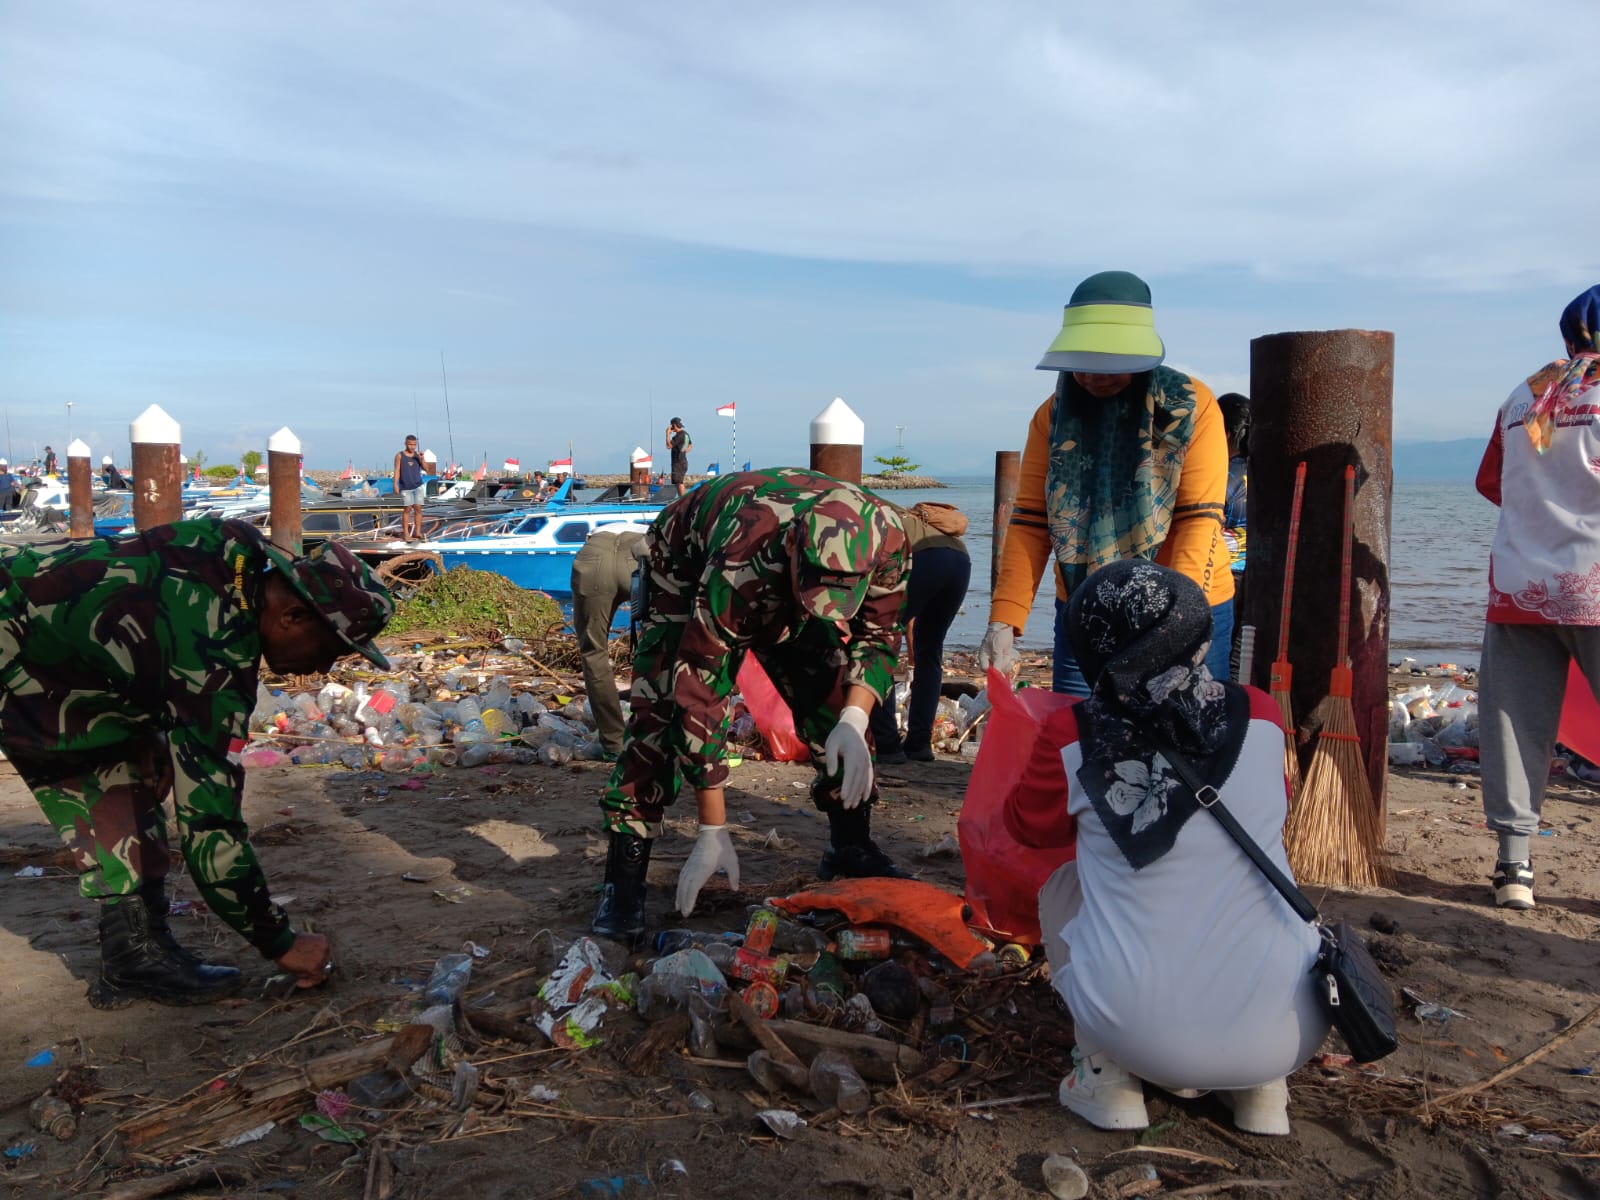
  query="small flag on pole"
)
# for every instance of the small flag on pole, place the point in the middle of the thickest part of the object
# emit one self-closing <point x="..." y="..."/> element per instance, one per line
<point x="561" y="466"/>
<point x="349" y="471"/>
<point x="482" y="470"/>
<point x="746" y="466"/>
<point x="714" y="469"/>
<point x="512" y="466"/>
<point x="726" y="410"/>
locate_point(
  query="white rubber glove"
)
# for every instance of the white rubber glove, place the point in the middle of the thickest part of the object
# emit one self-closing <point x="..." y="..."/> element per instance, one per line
<point x="713" y="852"/>
<point x="999" y="649"/>
<point x="847" y="744"/>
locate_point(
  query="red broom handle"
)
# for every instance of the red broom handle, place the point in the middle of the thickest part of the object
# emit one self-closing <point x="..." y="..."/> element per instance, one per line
<point x="1342" y="682"/>
<point x="1288" y="568"/>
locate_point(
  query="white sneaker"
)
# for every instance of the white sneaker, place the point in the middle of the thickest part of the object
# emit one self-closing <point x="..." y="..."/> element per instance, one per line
<point x="1103" y="1094"/>
<point x="1263" y="1109"/>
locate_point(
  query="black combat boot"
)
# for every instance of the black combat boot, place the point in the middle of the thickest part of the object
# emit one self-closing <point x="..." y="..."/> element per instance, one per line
<point x="851" y="852"/>
<point x="621" y="912"/>
<point x="134" y="965"/>
<point x="159" y="907"/>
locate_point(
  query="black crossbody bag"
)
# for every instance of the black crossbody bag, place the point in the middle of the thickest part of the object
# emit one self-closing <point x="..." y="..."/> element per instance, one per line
<point x="1349" y="986"/>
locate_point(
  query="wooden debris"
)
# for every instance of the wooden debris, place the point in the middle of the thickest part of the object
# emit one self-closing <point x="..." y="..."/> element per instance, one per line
<point x="1506" y="1072"/>
<point x="764" y="1032"/>
<point x="198" y="1176"/>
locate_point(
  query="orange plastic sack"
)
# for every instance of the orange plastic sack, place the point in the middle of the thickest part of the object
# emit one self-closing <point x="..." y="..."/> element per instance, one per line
<point x="1580" y="718"/>
<point x="772" y="715"/>
<point x="1004" y="876"/>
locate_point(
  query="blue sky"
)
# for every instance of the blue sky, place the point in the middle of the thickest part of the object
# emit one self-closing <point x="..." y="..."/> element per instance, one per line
<point x="606" y="215"/>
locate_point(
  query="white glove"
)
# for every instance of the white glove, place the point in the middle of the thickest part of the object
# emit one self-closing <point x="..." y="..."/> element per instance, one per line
<point x="713" y="852"/>
<point x="998" y="649"/>
<point x="847" y="744"/>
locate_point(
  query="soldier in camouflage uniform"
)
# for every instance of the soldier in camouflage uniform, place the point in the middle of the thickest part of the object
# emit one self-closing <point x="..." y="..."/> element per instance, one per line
<point x="127" y="669"/>
<point x="782" y="563"/>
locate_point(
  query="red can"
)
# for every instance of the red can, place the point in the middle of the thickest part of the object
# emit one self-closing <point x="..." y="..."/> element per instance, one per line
<point x="762" y="999"/>
<point x="762" y="929"/>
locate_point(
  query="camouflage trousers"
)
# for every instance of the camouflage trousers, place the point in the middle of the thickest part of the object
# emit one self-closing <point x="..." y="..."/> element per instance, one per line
<point x="660" y="751"/>
<point x="108" y="811"/>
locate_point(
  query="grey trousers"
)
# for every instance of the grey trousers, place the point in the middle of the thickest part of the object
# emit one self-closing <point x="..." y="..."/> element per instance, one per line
<point x="602" y="574"/>
<point x="1520" y="688"/>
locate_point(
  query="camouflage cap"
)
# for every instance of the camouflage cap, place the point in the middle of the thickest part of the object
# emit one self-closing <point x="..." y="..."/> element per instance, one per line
<point x="840" y="540"/>
<point x="341" y="588"/>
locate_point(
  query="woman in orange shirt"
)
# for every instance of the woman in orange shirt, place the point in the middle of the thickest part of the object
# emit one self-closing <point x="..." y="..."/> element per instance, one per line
<point x="1126" y="459"/>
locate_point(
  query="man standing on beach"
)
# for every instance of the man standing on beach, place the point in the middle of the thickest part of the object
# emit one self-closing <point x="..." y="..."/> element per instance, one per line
<point x="678" y="442"/>
<point x="49" y="461"/>
<point x="809" y="575"/>
<point x="408" y="486"/>
<point x="8" y="487"/>
<point x="602" y="582"/>
<point x="128" y="669"/>
<point x="1542" y="467"/>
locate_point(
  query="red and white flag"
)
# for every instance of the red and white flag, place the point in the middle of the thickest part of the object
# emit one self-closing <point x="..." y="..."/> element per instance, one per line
<point x="561" y="466"/>
<point x="482" y="471"/>
<point x="512" y="465"/>
<point x="726" y="410"/>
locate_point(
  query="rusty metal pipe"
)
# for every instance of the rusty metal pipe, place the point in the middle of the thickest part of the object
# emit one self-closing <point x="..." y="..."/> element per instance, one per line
<point x="283" y="482"/>
<point x="157" y="471"/>
<point x="1007" y="471"/>
<point x="80" y="491"/>
<point x="1326" y="399"/>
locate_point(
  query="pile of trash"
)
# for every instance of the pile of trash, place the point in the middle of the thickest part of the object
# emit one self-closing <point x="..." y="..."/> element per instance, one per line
<point x="1435" y="727"/>
<point x="848" y="996"/>
<point x="442" y="709"/>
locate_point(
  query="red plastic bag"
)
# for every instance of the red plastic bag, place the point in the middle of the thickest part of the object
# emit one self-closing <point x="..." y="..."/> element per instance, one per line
<point x="1004" y="876"/>
<point x="772" y="715"/>
<point x="1580" y="718"/>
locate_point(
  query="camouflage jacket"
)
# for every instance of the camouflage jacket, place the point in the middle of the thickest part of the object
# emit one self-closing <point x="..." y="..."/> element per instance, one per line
<point x="106" y="642"/>
<point x="726" y="544"/>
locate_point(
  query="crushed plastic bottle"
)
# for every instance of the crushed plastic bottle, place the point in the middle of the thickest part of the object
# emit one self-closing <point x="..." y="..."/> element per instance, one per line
<point x="677" y="978"/>
<point x="836" y="1083"/>
<point x="449" y="979"/>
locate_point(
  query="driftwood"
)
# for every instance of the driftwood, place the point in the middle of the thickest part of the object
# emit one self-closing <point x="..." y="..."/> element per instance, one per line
<point x="217" y="1115"/>
<point x="1510" y="1069"/>
<point x="770" y="1040"/>
<point x="876" y="1059"/>
<point x="204" y="1175"/>
<point x="643" y="1055"/>
<point x="505" y="1023"/>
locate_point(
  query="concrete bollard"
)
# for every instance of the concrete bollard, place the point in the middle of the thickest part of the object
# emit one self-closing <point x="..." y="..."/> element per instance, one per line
<point x="837" y="436"/>
<point x="1325" y="399"/>
<point x="1007" y="470"/>
<point x="80" y="491"/>
<point x="157" y="471"/>
<point x="283" y="481"/>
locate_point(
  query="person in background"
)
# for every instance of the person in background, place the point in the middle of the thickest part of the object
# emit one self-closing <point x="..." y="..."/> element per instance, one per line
<point x="113" y="479"/>
<point x="1236" y="422"/>
<point x="1126" y="459"/>
<point x="679" y="444"/>
<point x="602" y="582"/>
<point x="1542" y="467"/>
<point x="806" y="573"/>
<point x="408" y="486"/>
<point x="941" y="569"/>
<point x="10" y="488"/>
<point x="128" y="669"/>
<point x="49" y="461"/>
<point x="1179" y="962"/>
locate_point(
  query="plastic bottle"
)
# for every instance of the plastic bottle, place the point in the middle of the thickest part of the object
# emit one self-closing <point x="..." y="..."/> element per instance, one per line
<point x="378" y="1089"/>
<point x="468" y="711"/>
<point x="552" y="754"/>
<point x="262" y="756"/>
<point x="761" y="930"/>
<point x="863" y="943"/>
<point x="670" y="941"/>
<point x="836" y="1083"/>
<point x="738" y="963"/>
<point x="333" y="698"/>
<point x="498" y="694"/>
<point x="449" y="979"/>
<point x="826" y="979"/>
<point x="476" y="754"/>
<point x="675" y="979"/>
<point x="53" y="1115"/>
<point x="307" y="704"/>
<point x="496" y="722"/>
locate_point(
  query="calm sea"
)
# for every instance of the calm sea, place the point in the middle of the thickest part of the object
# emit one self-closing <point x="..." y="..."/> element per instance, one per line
<point x="1439" y="562"/>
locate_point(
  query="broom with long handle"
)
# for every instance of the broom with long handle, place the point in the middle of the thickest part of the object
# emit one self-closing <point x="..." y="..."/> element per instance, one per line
<point x="1333" y="835"/>
<point x="1282" y="672"/>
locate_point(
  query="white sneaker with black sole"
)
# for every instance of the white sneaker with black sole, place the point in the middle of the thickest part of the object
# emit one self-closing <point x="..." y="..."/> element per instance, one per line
<point x="1513" y="885"/>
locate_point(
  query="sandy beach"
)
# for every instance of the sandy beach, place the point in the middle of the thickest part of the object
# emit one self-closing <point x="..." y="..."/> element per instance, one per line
<point x="399" y="870"/>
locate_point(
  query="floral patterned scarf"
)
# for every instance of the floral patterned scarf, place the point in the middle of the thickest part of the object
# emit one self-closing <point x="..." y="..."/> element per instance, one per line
<point x="1558" y="384"/>
<point x="1140" y="632"/>
<point x="1112" y="482"/>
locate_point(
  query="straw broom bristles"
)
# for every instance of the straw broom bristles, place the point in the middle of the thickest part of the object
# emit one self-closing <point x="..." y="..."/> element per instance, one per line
<point x="1333" y="835"/>
<point x="1291" y="759"/>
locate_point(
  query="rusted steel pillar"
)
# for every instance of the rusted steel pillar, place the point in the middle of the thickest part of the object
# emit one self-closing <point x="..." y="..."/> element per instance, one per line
<point x="639" y="464"/>
<point x="837" y="435"/>
<point x="1325" y="399"/>
<point x="157" y="473"/>
<point x="283" y="482"/>
<point x="1007" y="469"/>
<point x="80" y="491"/>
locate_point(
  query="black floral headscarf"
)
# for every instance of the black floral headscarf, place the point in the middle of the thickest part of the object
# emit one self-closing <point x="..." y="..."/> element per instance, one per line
<point x="1140" y="632"/>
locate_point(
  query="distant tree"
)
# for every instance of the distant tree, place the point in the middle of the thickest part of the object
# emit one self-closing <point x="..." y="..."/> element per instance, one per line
<point x="222" y="471"/>
<point x="897" y="464"/>
<point x="249" y="461"/>
<point x="197" y="460"/>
